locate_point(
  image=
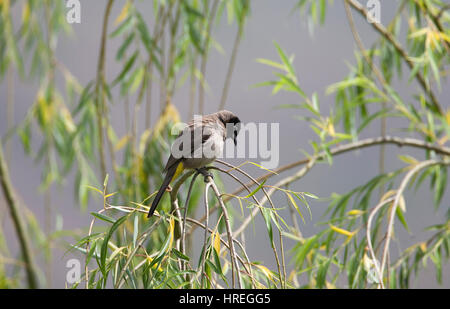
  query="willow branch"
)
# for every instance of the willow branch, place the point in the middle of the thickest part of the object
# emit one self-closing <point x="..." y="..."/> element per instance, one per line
<point x="234" y="266"/>
<point x="369" y="238"/>
<point x="9" y="109"/>
<point x="205" y="236"/>
<point x="272" y="205"/>
<point x="398" y="47"/>
<point x="380" y="78"/>
<point x="396" y="203"/>
<point x="100" y="96"/>
<point x="284" y="182"/>
<point x="13" y="207"/>
<point x="365" y="143"/>
<point x="259" y="207"/>
<point x="369" y="142"/>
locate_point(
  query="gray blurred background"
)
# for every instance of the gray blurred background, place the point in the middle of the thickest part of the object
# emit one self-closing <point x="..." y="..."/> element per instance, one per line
<point x="321" y="59"/>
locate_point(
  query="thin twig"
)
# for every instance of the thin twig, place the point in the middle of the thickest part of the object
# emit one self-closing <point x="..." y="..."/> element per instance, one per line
<point x="394" y="42"/>
<point x="272" y="205"/>
<point x="13" y="207"/>
<point x="369" y="238"/>
<point x="186" y="204"/>
<point x="9" y="111"/>
<point x="259" y="206"/>
<point x="142" y="238"/>
<point x="381" y="80"/>
<point x="234" y="266"/>
<point x="369" y="142"/>
<point x="205" y="237"/>
<point x="99" y="88"/>
<point x="398" y="196"/>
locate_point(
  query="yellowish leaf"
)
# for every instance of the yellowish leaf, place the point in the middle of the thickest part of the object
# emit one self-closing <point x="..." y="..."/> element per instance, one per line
<point x="331" y="129"/>
<point x="292" y="200"/>
<point x="121" y="143"/>
<point x="124" y="13"/>
<point x="26" y="13"/>
<point x="5" y="6"/>
<point x="150" y="260"/>
<point x="95" y="189"/>
<point x="423" y="246"/>
<point x="341" y="231"/>
<point x="216" y="242"/>
<point x="408" y="160"/>
<point x="355" y="212"/>
<point x="111" y="194"/>
<point x="442" y="140"/>
<point x="401" y="202"/>
<point x="68" y="120"/>
<point x="171" y="231"/>
<point x="266" y="272"/>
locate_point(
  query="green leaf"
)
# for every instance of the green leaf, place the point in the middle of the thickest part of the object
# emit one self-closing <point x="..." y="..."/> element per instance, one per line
<point x="321" y="276"/>
<point x="303" y="250"/>
<point x="271" y="63"/>
<point x="124" y="46"/>
<point x="256" y="190"/>
<point x="104" y="248"/>
<point x="440" y="184"/>
<point x="103" y="217"/>
<point x="180" y="255"/>
<point x="268" y="221"/>
<point x="287" y="63"/>
<point x="402" y="219"/>
<point x="126" y="68"/>
<point x="123" y="27"/>
<point x="195" y="37"/>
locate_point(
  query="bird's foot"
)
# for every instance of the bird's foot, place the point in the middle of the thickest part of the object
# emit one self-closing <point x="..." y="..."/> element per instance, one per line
<point x="205" y="173"/>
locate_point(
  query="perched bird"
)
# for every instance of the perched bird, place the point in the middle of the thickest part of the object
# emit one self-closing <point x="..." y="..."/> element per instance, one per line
<point x="199" y="144"/>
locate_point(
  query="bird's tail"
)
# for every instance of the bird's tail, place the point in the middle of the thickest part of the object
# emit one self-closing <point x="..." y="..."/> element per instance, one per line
<point x="169" y="176"/>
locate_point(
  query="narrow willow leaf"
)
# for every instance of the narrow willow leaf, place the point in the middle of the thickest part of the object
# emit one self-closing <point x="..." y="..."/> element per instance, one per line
<point x="256" y="190"/>
<point x="292" y="200"/>
<point x="180" y="255"/>
<point x="268" y="221"/>
<point x="267" y="273"/>
<point x="341" y="231"/>
<point x="126" y="68"/>
<point x="104" y="248"/>
<point x="94" y="189"/>
<point x="135" y="230"/>
<point x="103" y="217"/>
<point x="124" y="13"/>
<point x="270" y="63"/>
<point x="216" y="242"/>
<point x="123" y="27"/>
<point x="401" y="218"/>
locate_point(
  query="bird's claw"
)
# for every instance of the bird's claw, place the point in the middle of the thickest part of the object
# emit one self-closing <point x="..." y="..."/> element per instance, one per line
<point x="205" y="173"/>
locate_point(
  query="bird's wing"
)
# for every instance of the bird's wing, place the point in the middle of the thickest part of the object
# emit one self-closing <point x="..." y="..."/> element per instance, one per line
<point x="198" y="139"/>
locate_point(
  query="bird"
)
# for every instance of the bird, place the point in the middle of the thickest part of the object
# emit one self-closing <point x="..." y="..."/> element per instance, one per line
<point x="199" y="144"/>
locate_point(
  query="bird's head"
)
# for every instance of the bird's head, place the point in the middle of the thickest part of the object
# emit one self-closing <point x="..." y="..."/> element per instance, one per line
<point x="229" y="119"/>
